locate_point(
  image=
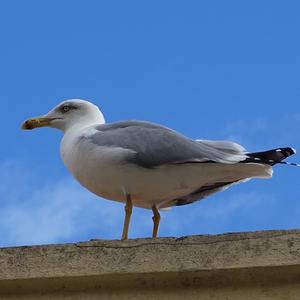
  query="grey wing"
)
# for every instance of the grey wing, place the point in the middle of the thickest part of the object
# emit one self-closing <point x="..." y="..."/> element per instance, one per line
<point x="152" y="145"/>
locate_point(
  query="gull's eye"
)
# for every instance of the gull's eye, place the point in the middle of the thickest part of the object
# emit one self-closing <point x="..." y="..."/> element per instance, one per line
<point x="65" y="108"/>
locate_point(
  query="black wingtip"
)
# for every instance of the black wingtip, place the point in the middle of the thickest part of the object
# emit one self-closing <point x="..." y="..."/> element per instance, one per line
<point x="286" y="152"/>
<point x="271" y="157"/>
<point x="291" y="151"/>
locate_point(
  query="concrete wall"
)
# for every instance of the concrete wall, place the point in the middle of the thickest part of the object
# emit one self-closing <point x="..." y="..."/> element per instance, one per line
<point x="258" y="265"/>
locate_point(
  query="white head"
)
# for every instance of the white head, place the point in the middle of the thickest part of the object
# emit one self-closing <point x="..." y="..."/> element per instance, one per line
<point x="68" y="114"/>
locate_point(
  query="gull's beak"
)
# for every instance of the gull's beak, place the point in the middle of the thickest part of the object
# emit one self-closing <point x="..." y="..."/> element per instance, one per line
<point x="36" y="122"/>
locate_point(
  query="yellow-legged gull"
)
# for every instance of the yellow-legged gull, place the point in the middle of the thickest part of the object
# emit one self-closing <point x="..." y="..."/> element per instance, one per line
<point x="145" y="164"/>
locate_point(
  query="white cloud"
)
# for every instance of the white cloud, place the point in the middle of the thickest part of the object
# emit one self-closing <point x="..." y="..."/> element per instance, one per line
<point x="54" y="212"/>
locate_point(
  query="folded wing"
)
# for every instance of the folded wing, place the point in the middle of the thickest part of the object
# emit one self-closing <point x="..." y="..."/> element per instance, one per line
<point x="152" y="145"/>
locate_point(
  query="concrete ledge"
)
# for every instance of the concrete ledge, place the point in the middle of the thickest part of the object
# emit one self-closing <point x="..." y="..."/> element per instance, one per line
<point x="231" y="263"/>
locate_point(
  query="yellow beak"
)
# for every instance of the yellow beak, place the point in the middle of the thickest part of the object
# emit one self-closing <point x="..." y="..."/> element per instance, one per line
<point x="36" y="122"/>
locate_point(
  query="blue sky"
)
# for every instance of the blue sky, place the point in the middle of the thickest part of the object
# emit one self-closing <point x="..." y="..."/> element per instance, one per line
<point x="209" y="69"/>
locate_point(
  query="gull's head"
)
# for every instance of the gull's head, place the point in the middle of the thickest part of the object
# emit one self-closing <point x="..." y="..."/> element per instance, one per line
<point x="68" y="114"/>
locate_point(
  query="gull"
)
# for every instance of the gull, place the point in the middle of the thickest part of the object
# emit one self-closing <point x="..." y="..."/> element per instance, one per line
<point x="147" y="165"/>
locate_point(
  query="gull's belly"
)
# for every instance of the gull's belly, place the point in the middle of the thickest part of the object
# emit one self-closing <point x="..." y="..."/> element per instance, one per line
<point x="113" y="180"/>
<point x="147" y="187"/>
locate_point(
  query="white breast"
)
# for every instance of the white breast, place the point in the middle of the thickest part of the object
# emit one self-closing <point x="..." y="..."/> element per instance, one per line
<point x="98" y="168"/>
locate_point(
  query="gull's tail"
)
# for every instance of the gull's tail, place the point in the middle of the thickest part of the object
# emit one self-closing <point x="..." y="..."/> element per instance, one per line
<point x="272" y="157"/>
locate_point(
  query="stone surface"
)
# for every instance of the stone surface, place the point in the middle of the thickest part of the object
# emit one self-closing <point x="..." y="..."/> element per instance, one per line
<point x="254" y="265"/>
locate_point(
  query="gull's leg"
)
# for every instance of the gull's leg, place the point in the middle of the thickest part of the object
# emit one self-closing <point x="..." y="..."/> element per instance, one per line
<point x="128" y="210"/>
<point x="156" y="219"/>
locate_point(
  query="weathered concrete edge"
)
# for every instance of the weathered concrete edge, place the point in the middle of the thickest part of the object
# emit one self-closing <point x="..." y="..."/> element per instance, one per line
<point x="210" y="279"/>
<point x="148" y="256"/>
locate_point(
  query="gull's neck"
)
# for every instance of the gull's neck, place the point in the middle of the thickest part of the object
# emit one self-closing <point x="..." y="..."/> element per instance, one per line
<point x="84" y="122"/>
<point x="72" y="131"/>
